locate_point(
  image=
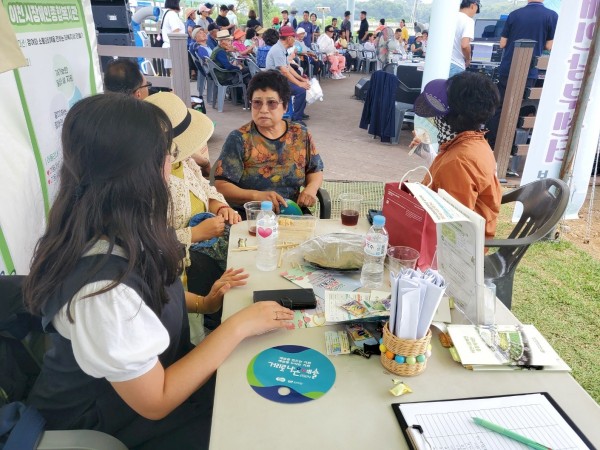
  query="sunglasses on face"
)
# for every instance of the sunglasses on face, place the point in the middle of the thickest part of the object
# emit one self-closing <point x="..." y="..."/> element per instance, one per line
<point x="271" y="104"/>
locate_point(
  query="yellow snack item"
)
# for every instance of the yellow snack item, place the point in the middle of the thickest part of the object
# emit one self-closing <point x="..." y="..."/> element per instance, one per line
<point x="400" y="389"/>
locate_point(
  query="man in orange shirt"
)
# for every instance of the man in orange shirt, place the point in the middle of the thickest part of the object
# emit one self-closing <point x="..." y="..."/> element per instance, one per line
<point x="465" y="166"/>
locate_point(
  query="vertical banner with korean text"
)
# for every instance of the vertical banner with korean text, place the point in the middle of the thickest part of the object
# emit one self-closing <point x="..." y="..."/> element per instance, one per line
<point x="567" y="64"/>
<point x="57" y="38"/>
<point x="444" y="16"/>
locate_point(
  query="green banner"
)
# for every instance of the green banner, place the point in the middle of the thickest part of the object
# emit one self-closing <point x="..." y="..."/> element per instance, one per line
<point x="6" y="265"/>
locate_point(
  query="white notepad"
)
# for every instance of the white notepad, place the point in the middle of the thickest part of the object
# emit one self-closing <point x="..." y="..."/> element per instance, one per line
<point x="449" y="425"/>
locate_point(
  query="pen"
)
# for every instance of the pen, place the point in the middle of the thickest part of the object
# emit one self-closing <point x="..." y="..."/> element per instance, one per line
<point x="509" y="434"/>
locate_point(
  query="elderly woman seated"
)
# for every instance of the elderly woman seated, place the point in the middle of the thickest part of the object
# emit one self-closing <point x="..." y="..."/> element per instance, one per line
<point x="269" y="158"/>
<point x="464" y="166"/>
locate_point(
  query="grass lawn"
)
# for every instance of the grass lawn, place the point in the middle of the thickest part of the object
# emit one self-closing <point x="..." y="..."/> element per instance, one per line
<point x="557" y="288"/>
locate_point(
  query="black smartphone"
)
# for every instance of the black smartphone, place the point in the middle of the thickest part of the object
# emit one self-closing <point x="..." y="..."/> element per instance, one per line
<point x="289" y="298"/>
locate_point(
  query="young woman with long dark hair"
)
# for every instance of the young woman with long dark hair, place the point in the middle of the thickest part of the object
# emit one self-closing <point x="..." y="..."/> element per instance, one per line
<point x="105" y="280"/>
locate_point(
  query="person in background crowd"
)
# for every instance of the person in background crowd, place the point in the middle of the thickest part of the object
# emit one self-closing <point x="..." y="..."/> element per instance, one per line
<point x="293" y="21"/>
<point x="124" y="76"/>
<point x="425" y="40"/>
<point x="369" y="44"/>
<point x="327" y="46"/>
<point x="201" y="217"/>
<point x="260" y="31"/>
<point x="252" y="22"/>
<point x="316" y="27"/>
<point x="464" y="166"/>
<point x="306" y="55"/>
<point x="465" y="33"/>
<point x="336" y="30"/>
<point x="364" y="27"/>
<point x="270" y="38"/>
<point x="269" y="158"/>
<point x="275" y="22"/>
<point x="222" y="20"/>
<point x="285" y="18"/>
<point x="211" y="41"/>
<point x="105" y="280"/>
<point x="277" y="60"/>
<point x="171" y="23"/>
<point x="307" y="26"/>
<point x="380" y="27"/>
<point x="210" y="7"/>
<point x="202" y="19"/>
<point x="417" y="46"/>
<point x="239" y="45"/>
<point x="251" y="40"/>
<point x="219" y="56"/>
<point x="404" y="29"/>
<point x="190" y="24"/>
<point x="200" y="45"/>
<point x="400" y="45"/>
<point x="231" y="16"/>
<point x="346" y="28"/>
<point x="533" y="21"/>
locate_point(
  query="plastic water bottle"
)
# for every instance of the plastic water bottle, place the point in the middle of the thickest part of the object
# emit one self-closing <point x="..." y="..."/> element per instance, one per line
<point x="410" y="56"/>
<point x="376" y="242"/>
<point x="266" y="234"/>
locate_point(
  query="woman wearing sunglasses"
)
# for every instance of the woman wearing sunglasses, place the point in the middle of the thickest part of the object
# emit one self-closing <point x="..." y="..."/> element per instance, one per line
<point x="269" y="158"/>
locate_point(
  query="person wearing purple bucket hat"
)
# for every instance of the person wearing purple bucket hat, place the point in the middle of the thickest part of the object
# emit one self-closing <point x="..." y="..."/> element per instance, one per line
<point x="465" y="166"/>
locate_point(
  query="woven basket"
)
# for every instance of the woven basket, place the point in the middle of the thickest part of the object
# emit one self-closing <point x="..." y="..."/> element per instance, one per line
<point x="404" y="347"/>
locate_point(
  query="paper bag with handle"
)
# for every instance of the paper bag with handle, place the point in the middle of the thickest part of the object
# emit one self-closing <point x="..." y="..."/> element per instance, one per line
<point x="407" y="223"/>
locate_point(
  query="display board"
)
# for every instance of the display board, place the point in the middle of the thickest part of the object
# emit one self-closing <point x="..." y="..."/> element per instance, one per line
<point x="58" y="40"/>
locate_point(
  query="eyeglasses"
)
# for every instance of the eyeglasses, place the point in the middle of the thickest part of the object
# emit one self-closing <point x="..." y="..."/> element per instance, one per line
<point x="271" y="104"/>
<point x="147" y="85"/>
<point x="174" y="152"/>
<point x="328" y="31"/>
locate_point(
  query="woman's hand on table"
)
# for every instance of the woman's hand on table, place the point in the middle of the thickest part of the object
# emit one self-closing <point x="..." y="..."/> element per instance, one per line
<point x="306" y="199"/>
<point x="261" y="317"/>
<point x="231" y="216"/>
<point x="272" y="197"/>
<point x="208" y="229"/>
<point x="231" y="278"/>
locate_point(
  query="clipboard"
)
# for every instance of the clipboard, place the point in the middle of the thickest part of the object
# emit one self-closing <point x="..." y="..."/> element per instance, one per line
<point x="415" y="434"/>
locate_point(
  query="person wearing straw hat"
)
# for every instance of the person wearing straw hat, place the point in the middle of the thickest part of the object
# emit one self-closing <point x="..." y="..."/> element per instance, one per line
<point x="417" y="46"/>
<point x="260" y="31"/>
<point x="201" y="216"/>
<point x="465" y="166"/>
<point x="190" y="21"/>
<point x="219" y="56"/>
<point x="190" y="24"/>
<point x="105" y="282"/>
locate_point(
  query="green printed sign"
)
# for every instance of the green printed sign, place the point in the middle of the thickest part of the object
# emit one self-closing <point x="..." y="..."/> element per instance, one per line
<point x="54" y="38"/>
<point x="6" y="264"/>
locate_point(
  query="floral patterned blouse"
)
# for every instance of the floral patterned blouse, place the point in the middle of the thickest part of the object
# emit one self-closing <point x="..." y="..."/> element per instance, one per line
<point x="250" y="160"/>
